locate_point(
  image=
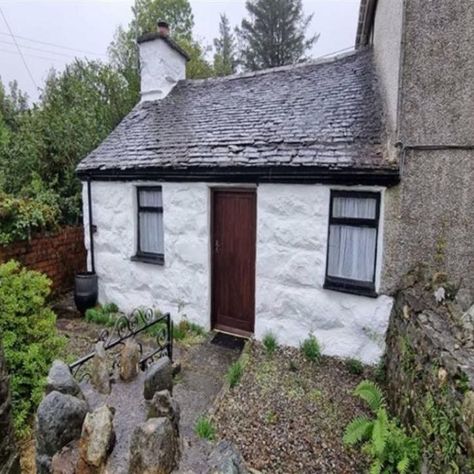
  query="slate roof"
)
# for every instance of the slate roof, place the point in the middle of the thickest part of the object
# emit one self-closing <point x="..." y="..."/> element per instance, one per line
<point x="326" y="115"/>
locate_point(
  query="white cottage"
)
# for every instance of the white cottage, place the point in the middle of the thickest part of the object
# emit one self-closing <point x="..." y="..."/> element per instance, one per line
<point x="249" y="203"/>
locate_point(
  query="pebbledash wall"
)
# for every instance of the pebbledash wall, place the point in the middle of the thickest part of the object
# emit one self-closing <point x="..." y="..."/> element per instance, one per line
<point x="292" y="231"/>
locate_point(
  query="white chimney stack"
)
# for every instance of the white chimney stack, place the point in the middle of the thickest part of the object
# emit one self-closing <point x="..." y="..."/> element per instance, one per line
<point x="162" y="63"/>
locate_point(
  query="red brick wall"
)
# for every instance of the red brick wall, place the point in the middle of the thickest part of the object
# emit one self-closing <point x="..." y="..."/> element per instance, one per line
<point x="59" y="255"/>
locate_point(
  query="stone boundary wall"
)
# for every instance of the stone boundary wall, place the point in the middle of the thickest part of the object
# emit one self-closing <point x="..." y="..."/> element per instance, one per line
<point x="60" y="255"/>
<point x="430" y="370"/>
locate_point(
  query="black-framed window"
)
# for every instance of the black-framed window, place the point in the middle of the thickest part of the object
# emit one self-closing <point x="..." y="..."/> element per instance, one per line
<point x="352" y="242"/>
<point x="150" y="235"/>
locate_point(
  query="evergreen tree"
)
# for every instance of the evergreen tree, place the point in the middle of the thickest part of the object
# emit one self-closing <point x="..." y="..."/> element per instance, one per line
<point x="275" y="34"/>
<point x="225" y="57"/>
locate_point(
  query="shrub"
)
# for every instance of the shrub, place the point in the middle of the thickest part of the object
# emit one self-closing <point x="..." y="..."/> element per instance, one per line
<point x="311" y="349"/>
<point x="234" y="374"/>
<point x="388" y="446"/>
<point x="355" y="366"/>
<point x="21" y="217"/>
<point x="105" y="315"/>
<point x="31" y="343"/>
<point x="270" y="343"/>
<point x="205" y="429"/>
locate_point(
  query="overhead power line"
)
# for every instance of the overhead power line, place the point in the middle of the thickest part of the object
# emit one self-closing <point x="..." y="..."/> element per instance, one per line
<point x="55" y="45"/>
<point x="66" y="55"/>
<point x="18" y="48"/>
<point x="32" y="55"/>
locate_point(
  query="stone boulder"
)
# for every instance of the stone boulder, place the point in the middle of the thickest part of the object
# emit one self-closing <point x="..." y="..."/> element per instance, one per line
<point x="61" y="380"/>
<point x="66" y="460"/>
<point x="129" y="360"/>
<point x="163" y="405"/>
<point x="154" y="447"/>
<point x="59" y="421"/>
<point x="100" y="377"/>
<point x="158" y="377"/>
<point x="97" y="439"/>
<point x="226" y="459"/>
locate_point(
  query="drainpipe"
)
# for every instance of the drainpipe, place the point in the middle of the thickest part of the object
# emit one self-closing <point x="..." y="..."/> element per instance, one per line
<point x="91" y="227"/>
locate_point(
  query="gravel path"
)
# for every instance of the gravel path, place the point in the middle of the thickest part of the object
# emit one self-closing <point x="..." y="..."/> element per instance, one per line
<point x="288" y="415"/>
<point x="203" y="367"/>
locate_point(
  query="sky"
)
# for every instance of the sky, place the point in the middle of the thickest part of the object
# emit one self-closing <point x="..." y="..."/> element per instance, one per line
<point x="51" y="33"/>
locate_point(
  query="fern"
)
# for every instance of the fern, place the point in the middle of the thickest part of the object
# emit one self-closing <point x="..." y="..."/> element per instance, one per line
<point x="360" y="429"/>
<point x="371" y="394"/>
<point x="390" y="449"/>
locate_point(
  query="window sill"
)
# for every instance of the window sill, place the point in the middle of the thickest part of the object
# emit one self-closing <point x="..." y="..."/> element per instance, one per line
<point x="152" y="259"/>
<point x="352" y="289"/>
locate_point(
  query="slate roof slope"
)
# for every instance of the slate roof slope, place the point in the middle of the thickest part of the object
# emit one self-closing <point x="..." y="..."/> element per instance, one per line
<point x="326" y="115"/>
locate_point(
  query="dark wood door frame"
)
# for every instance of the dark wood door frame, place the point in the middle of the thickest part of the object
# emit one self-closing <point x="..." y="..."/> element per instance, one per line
<point x="214" y="323"/>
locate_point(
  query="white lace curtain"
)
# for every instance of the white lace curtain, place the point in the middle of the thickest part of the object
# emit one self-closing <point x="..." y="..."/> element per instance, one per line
<point x="351" y="248"/>
<point x="151" y="223"/>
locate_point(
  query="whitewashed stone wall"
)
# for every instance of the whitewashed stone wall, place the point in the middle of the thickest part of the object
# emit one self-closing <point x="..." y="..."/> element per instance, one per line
<point x="181" y="286"/>
<point x="291" y="261"/>
<point x="292" y="233"/>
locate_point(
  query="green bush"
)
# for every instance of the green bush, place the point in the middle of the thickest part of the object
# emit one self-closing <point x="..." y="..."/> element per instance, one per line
<point x="21" y="217"/>
<point x="105" y="315"/>
<point x="205" y="429"/>
<point x="270" y="343"/>
<point x="311" y="349"/>
<point x="388" y="446"/>
<point x="355" y="366"/>
<point x="234" y="374"/>
<point x="31" y="343"/>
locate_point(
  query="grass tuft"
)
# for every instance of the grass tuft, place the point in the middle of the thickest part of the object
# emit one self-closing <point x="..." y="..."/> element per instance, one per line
<point x="355" y="366"/>
<point x="205" y="429"/>
<point x="270" y="343"/>
<point x="311" y="349"/>
<point x="105" y="315"/>
<point x="234" y="374"/>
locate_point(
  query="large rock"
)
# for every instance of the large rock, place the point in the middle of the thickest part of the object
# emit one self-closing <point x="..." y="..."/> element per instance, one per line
<point x="226" y="459"/>
<point x="163" y="405"/>
<point x="158" y="377"/>
<point x="98" y="437"/>
<point x="100" y="377"/>
<point x="154" y="448"/>
<point x="59" y="421"/>
<point x="9" y="458"/>
<point x="129" y="360"/>
<point x="61" y="380"/>
<point x="66" y="460"/>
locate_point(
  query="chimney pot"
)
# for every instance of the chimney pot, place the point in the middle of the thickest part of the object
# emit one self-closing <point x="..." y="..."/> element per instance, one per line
<point x="163" y="29"/>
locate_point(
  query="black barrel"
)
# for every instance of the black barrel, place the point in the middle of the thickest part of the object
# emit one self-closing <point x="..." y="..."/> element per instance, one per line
<point x="85" y="291"/>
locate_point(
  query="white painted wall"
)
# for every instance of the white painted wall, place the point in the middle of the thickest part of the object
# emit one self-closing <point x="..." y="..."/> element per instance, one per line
<point x="291" y="260"/>
<point x="161" y="67"/>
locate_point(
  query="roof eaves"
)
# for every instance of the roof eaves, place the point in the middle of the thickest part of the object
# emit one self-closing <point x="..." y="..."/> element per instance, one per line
<point x="171" y="43"/>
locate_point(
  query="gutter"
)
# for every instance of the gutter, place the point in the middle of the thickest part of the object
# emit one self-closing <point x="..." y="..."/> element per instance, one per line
<point x="91" y="227"/>
<point x="299" y="175"/>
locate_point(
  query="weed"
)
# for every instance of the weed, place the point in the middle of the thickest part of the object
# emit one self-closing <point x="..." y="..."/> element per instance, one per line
<point x="234" y="374"/>
<point x="105" y="315"/>
<point x="205" y="429"/>
<point x="270" y="343"/>
<point x="311" y="349"/>
<point x="271" y="417"/>
<point x="355" y="366"/>
<point x="187" y="331"/>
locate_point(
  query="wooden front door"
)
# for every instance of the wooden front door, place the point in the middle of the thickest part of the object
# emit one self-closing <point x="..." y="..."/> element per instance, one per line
<point x="234" y="218"/>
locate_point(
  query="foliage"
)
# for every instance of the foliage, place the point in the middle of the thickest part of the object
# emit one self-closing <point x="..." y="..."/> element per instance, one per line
<point x="270" y="343"/>
<point x="188" y="332"/>
<point x="20" y="217"/>
<point x="225" y="61"/>
<point x="355" y="366"/>
<point x="77" y="110"/>
<point x="390" y="449"/>
<point x="311" y="348"/>
<point x="234" y="374"/>
<point x="205" y="428"/>
<point x="274" y="34"/>
<point x="31" y="343"/>
<point x="105" y="315"/>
